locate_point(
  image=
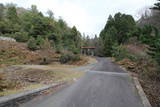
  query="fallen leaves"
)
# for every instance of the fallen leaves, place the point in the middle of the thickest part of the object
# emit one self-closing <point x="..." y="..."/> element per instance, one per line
<point x="127" y="63"/>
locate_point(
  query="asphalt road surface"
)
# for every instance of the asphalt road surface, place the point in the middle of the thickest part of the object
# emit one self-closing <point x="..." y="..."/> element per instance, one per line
<point x="104" y="85"/>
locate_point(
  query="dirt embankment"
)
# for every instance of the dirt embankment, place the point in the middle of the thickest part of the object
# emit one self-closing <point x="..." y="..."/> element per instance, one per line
<point x="146" y="69"/>
<point x="14" y="53"/>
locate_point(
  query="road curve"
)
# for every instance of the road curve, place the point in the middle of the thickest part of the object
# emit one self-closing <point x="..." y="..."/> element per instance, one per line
<point x="104" y="85"/>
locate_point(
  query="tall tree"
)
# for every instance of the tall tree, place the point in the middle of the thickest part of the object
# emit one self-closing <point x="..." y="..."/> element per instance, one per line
<point x="12" y="14"/>
<point x="50" y="14"/>
<point x="1" y="11"/>
<point x="34" y="9"/>
<point x="123" y="25"/>
<point x="157" y="5"/>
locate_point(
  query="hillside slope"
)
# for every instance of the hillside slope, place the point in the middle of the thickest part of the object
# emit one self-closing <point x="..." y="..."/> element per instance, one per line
<point x="12" y="53"/>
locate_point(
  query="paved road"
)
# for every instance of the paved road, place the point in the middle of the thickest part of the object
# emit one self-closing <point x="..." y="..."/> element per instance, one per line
<point x="104" y="85"/>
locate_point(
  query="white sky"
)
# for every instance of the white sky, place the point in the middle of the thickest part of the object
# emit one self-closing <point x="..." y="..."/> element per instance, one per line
<point x="89" y="16"/>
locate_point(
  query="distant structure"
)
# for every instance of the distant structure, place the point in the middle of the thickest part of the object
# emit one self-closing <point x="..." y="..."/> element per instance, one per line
<point x="7" y="39"/>
<point x="88" y="51"/>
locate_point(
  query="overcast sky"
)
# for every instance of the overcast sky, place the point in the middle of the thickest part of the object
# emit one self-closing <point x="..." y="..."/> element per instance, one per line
<point x="89" y="16"/>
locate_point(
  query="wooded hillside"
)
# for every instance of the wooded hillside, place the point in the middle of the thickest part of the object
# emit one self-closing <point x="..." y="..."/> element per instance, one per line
<point x="30" y="25"/>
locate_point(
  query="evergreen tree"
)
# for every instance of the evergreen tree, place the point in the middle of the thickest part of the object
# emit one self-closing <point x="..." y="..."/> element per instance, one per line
<point x="12" y="14"/>
<point x="157" y="5"/>
<point x="1" y="11"/>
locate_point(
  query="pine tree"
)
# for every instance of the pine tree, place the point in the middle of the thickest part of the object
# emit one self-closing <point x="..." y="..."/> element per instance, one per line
<point x="157" y="5"/>
<point x="1" y="11"/>
<point x="12" y="14"/>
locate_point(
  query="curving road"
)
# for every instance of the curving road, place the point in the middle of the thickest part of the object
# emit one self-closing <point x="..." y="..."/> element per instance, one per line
<point x="104" y="85"/>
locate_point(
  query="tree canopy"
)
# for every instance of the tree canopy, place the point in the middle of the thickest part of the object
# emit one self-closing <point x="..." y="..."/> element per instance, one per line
<point x="25" y="24"/>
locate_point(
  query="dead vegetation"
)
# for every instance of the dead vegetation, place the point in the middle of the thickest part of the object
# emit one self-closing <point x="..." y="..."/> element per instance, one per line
<point x="22" y="79"/>
<point x="146" y="69"/>
<point x="19" y="78"/>
<point x="13" y="53"/>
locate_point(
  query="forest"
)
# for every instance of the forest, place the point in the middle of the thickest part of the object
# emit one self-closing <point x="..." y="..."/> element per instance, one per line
<point x="32" y="27"/>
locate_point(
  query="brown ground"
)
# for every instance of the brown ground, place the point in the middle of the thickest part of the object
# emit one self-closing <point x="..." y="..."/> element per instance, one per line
<point x="18" y="78"/>
<point x="32" y="76"/>
<point x="13" y="53"/>
<point x="146" y="69"/>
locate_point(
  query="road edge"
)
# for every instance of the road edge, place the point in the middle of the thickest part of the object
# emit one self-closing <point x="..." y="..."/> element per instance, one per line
<point x="140" y="90"/>
<point x="25" y="96"/>
<point x="142" y="94"/>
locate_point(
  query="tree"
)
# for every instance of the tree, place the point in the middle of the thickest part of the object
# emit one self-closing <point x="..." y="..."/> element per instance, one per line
<point x="1" y="11"/>
<point x="75" y="35"/>
<point x="30" y="24"/>
<point x="156" y="5"/>
<point x="12" y="14"/>
<point x="109" y="41"/>
<point x="123" y="24"/>
<point x="117" y="30"/>
<point x="50" y="14"/>
<point x="34" y="9"/>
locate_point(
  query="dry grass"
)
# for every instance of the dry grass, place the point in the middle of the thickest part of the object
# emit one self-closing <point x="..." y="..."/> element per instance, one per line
<point x="152" y="89"/>
<point x="14" y="91"/>
<point x="13" y="53"/>
<point x="30" y="78"/>
<point x="84" y="60"/>
<point x="146" y="69"/>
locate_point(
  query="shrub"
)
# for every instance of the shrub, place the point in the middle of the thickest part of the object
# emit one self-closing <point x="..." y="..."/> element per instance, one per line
<point x="76" y="51"/>
<point x="58" y="49"/>
<point x="69" y="57"/>
<point x="45" y="61"/>
<point x="39" y="42"/>
<point x="21" y="36"/>
<point x="35" y="44"/>
<point x="119" y="52"/>
<point x="32" y="44"/>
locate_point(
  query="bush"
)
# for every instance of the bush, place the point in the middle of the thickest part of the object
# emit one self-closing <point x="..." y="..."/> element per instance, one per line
<point x="58" y="48"/>
<point x="39" y="42"/>
<point x="69" y="57"/>
<point x="35" y="44"/>
<point x="21" y="36"/>
<point x="32" y="44"/>
<point x="120" y="53"/>
<point x="45" y="61"/>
